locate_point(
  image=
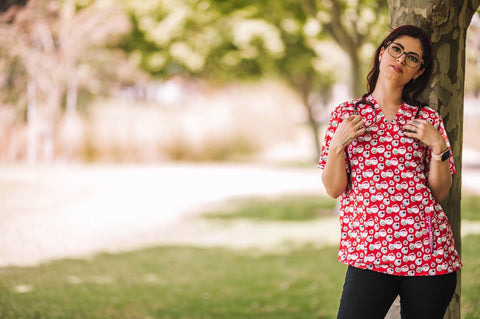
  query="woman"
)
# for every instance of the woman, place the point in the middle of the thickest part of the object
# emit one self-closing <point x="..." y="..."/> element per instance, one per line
<point x="389" y="160"/>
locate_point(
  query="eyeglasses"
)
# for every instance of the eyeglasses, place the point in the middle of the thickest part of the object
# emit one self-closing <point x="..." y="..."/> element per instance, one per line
<point x="396" y="50"/>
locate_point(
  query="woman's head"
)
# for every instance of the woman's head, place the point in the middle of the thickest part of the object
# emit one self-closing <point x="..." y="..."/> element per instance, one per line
<point x="413" y="88"/>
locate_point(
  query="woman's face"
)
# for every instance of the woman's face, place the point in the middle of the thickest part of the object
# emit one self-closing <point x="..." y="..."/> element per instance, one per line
<point x="396" y="68"/>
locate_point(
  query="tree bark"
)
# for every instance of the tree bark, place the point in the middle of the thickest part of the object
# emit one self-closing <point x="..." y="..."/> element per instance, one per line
<point x="447" y="22"/>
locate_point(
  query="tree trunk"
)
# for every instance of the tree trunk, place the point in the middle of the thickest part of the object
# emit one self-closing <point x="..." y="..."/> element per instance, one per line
<point x="358" y="87"/>
<point x="447" y="22"/>
<point x="31" y="122"/>
<point x="70" y="120"/>
<point x="304" y="86"/>
<point x="312" y="123"/>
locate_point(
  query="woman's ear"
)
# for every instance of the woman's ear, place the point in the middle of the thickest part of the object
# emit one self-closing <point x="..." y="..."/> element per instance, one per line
<point x="380" y="56"/>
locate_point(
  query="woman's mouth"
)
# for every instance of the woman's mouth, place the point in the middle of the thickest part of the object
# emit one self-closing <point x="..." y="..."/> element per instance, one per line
<point x="396" y="68"/>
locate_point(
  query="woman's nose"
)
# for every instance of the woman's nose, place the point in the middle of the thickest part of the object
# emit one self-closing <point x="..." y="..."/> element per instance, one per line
<point x="402" y="58"/>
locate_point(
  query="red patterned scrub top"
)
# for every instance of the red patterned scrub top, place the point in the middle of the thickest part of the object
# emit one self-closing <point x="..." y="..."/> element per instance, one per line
<point x="389" y="220"/>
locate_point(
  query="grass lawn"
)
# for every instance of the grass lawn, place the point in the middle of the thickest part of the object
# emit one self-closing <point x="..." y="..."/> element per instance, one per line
<point x="470" y="206"/>
<point x="470" y="302"/>
<point x="289" y="208"/>
<point x="191" y="283"/>
<point x="183" y="282"/>
<point x="178" y="282"/>
<point x="304" y="208"/>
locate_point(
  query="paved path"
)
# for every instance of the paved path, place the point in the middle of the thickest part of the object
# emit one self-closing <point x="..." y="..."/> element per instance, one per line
<point x="76" y="211"/>
<point x="73" y="211"/>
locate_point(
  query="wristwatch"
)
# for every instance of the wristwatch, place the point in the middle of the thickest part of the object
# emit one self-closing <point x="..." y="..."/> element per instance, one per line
<point x="443" y="156"/>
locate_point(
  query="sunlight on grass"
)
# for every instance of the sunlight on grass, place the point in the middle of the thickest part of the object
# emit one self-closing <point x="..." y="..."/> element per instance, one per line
<point x="287" y="208"/>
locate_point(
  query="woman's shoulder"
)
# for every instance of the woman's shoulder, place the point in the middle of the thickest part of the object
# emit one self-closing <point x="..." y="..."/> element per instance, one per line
<point x="424" y="111"/>
<point x="347" y="105"/>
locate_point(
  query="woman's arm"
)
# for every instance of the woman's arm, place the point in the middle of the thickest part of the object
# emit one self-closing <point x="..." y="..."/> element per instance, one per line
<point x="439" y="177"/>
<point x="334" y="176"/>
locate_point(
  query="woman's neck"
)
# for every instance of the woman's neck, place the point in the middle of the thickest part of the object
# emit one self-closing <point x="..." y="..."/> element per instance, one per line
<point x="389" y="99"/>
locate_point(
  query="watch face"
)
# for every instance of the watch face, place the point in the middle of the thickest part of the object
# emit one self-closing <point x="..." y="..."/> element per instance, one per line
<point x="446" y="155"/>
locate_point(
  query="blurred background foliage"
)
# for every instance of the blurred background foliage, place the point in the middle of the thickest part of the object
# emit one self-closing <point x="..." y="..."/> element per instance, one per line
<point x="69" y="66"/>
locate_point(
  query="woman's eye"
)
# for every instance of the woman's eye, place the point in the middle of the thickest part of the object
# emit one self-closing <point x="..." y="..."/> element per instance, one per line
<point x="413" y="58"/>
<point x="397" y="49"/>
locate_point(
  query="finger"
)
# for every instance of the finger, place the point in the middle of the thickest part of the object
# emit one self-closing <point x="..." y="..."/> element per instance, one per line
<point x="417" y="122"/>
<point x="411" y="128"/>
<point x="359" y="125"/>
<point x="351" y="117"/>
<point x="410" y="133"/>
<point x="357" y="119"/>
<point x="361" y="130"/>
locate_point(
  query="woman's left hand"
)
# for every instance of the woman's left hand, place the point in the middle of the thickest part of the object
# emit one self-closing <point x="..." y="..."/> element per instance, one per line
<point x="424" y="131"/>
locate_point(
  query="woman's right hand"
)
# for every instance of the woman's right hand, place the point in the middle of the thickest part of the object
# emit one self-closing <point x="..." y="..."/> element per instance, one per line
<point x="334" y="175"/>
<point x="348" y="130"/>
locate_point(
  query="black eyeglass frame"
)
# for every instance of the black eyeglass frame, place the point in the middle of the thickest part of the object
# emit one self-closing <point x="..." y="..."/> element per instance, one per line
<point x="407" y="54"/>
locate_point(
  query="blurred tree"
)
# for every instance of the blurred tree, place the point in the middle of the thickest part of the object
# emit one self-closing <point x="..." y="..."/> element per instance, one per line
<point x="447" y="22"/>
<point x="52" y="49"/>
<point x="352" y="24"/>
<point x="7" y="4"/>
<point x="229" y="40"/>
<point x="278" y="39"/>
<point x="472" y="74"/>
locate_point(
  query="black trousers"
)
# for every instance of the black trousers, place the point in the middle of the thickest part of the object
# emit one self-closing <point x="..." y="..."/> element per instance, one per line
<point x="369" y="294"/>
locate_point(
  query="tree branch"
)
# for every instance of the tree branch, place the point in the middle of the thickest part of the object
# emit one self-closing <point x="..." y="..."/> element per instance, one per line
<point x="309" y="7"/>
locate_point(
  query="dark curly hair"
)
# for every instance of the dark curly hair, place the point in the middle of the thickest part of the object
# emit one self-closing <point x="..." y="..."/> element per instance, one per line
<point x="414" y="88"/>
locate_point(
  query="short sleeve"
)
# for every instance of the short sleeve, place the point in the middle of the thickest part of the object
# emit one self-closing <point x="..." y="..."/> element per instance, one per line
<point x="436" y="120"/>
<point x="336" y="117"/>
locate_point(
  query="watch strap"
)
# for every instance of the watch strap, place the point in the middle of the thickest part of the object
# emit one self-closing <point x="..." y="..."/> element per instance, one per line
<point x="443" y="156"/>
